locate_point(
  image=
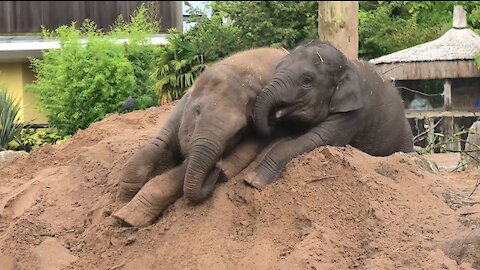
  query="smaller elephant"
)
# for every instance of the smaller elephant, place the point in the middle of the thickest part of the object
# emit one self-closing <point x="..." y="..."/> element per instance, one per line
<point x="328" y="100"/>
<point x="209" y="135"/>
<point x="164" y="189"/>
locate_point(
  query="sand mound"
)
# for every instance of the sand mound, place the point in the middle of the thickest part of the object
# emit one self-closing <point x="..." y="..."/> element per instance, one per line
<point x="333" y="208"/>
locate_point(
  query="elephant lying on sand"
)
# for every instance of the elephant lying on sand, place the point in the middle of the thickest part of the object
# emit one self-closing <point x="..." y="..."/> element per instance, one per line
<point x="211" y="122"/>
<point x="332" y="101"/>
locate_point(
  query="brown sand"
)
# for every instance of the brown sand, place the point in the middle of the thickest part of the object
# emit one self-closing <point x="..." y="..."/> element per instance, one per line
<point x="333" y="208"/>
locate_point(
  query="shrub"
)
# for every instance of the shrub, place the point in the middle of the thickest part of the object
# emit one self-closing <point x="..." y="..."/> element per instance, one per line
<point x="271" y="23"/>
<point x="10" y="126"/>
<point x="178" y="64"/>
<point x="139" y="52"/>
<point x="389" y="26"/>
<point x="232" y="27"/>
<point x="142" y="58"/>
<point x="181" y="61"/>
<point x="92" y="74"/>
<point x="30" y="139"/>
<point x="477" y="60"/>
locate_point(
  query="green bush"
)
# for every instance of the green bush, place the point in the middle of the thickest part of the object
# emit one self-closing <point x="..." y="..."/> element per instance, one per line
<point x="92" y="73"/>
<point x="271" y="23"/>
<point x="139" y="52"/>
<point x="178" y="64"/>
<point x="143" y="58"/>
<point x="181" y="61"/>
<point x="30" y="139"/>
<point x="389" y="26"/>
<point x="10" y="126"/>
<point x="477" y="59"/>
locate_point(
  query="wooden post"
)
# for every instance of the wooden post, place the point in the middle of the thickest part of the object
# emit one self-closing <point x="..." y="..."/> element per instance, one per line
<point x="448" y="129"/>
<point x="447" y="95"/>
<point x="430" y="122"/>
<point x="338" y="24"/>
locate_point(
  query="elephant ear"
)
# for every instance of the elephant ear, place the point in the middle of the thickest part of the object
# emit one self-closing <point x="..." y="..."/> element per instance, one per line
<point x="347" y="96"/>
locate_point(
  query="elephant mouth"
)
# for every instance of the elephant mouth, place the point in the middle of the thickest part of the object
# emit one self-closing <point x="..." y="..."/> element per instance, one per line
<point x="279" y="113"/>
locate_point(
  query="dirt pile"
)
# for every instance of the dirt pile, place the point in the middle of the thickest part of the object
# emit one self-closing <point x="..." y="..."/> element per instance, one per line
<point x="333" y="208"/>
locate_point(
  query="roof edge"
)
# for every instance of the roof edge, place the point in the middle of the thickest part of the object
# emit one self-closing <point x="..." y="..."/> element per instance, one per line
<point x="16" y="44"/>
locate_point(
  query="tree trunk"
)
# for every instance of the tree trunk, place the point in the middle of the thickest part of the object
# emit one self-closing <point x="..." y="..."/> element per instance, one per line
<point x="338" y="24"/>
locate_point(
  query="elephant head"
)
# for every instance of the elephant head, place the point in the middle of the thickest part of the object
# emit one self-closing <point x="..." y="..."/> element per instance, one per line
<point x="214" y="119"/>
<point x="312" y="82"/>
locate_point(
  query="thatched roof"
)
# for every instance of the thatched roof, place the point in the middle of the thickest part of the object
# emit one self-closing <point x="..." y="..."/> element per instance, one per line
<point x="456" y="44"/>
<point x="449" y="56"/>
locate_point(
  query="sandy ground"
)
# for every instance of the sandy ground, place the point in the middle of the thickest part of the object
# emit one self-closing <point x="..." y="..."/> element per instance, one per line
<point x="333" y="208"/>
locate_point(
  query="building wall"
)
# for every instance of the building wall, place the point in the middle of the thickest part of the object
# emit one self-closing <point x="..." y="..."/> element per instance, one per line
<point x="15" y="76"/>
<point x="31" y="111"/>
<point x="11" y="78"/>
<point x="466" y="94"/>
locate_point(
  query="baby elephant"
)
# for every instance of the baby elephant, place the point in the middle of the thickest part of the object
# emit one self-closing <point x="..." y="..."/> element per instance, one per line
<point x="330" y="100"/>
<point x="208" y="135"/>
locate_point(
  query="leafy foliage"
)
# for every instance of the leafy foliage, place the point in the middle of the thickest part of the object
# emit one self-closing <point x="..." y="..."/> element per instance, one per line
<point x="143" y="22"/>
<point x="271" y="23"/>
<point x="30" y="139"/>
<point x="178" y="65"/>
<point x="477" y="60"/>
<point x="10" y="125"/>
<point x="92" y="73"/>
<point x="181" y="61"/>
<point x="139" y="52"/>
<point x="142" y="58"/>
<point x="389" y="26"/>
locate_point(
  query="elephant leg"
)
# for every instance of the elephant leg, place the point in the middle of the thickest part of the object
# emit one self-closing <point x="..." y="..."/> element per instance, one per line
<point x="148" y="161"/>
<point x="333" y="132"/>
<point x="153" y="198"/>
<point x="156" y="157"/>
<point x="239" y="158"/>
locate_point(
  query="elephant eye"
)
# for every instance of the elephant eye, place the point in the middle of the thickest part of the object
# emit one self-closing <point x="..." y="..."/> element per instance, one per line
<point x="307" y="81"/>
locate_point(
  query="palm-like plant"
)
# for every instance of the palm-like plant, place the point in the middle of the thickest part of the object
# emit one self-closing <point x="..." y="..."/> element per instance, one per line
<point x="177" y="67"/>
<point x="9" y="116"/>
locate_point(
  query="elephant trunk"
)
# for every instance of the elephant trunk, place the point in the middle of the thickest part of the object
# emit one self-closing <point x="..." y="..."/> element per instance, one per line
<point x="265" y="102"/>
<point x="199" y="178"/>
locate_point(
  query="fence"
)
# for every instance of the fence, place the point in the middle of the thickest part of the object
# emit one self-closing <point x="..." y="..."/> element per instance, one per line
<point x="29" y="16"/>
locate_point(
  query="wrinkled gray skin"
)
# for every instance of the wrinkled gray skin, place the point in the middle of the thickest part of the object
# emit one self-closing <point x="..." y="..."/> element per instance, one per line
<point x="331" y="101"/>
<point x="209" y="123"/>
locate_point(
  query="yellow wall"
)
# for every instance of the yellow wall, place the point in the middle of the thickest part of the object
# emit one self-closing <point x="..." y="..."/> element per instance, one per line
<point x="11" y="78"/>
<point x="15" y="76"/>
<point x="30" y="101"/>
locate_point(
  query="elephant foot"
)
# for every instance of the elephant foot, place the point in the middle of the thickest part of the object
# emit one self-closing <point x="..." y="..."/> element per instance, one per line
<point x="255" y="180"/>
<point x="132" y="215"/>
<point x="153" y="198"/>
